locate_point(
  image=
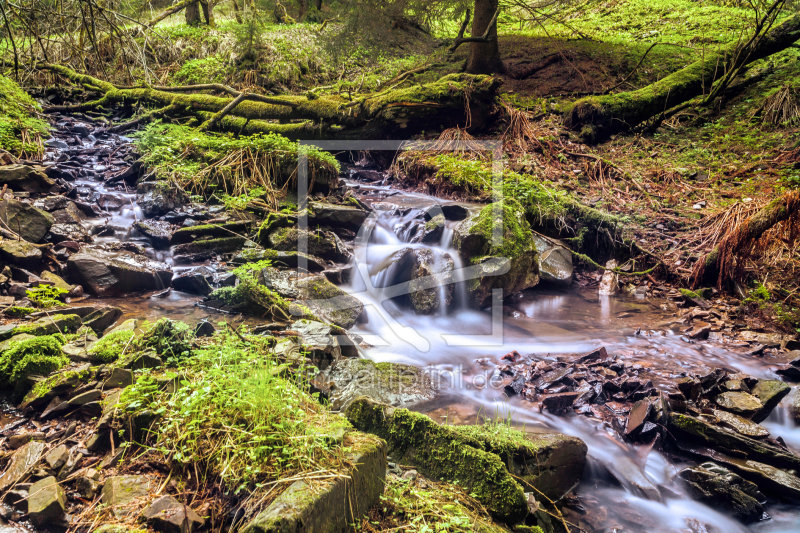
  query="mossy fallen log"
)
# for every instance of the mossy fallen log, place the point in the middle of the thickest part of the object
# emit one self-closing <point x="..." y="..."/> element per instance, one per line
<point x="455" y="100"/>
<point x="597" y="117"/>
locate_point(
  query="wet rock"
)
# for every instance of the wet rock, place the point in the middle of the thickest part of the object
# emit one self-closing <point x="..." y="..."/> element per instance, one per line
<point x="47" y="502"/>
<point x="328" y="301"/>
<point x="294" y="260"/>
<point x="157" y="198"/>
<point x="740" y="403"/>
<point x="19" y="440"/>
<point x="87" y="485"/>
<point x="204" y="329"/>
<point x="726" y="439"/>
<point x="767" y="339"/>
<point x="723" y="492"/>
<point x="789" y="372"/>
<point x="509" y="263"/>
<point x="555" y="260"/>
<point x="207" y="248"/>
<point x="209" y="231"/>
<point x="192" y="282"/>
<point x="794" y="405"/>
<point x="20" y="253"/>
<point x="105" y="272"/>
<point x="324" y="342"/>
<point x="551" y="378"/>
<point x="769" y="393"/>
<point x="122" y="493"/>
<point x="431" y="232"/>
<point x="22" y="461"/>
<point x="324" y="244"/>
<point x="140" y="360"/>
<point x="59" y="282"/>
<point x="46" y="326"/>
<point x="158" y="232"/>
<point x="559" y="402"/>
<point x="168" y="515"/>
<point x="516" y="386"/>
<point x="62" y="384"/>
<point x="741" y="425"/>
<point x="388" y="383"/>
<point x="102" y="319"/>
<point x="609" y="283"/>
<point x="432" y="282"/>
<point x="637" y="417"/>
<point x="335" y="216"/>
<point x="31" y="223"/>
<point x="24" y="178"/>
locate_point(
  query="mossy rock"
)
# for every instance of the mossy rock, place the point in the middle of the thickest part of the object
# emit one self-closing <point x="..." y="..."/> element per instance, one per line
<point x="38" y="356"/>
<point x="393" y="384"/>
<point x="498" y="244"/>
<point x="46" y="326"/>
<point x="441" y="453"/>
<point x="222" y="245"/>
<point x="60" y="384"/>
<point x="328" y="301"/>
<point x="273" y="222"/>
<point x="324" y="244"/>
<point x="193" y="233"/>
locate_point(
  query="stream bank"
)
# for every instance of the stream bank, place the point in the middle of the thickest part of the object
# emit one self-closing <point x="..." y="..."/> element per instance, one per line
<point x="557" y="346"/>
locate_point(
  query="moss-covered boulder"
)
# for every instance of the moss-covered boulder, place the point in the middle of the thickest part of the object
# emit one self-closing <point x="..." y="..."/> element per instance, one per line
<point x="157" y="198"/>
<point x="324" y="244"/>
<point x="158" y="232"/>
<point x="439" y="452"/>
<point x="272" y="223"/>
<point x="48" y="325"/>
<point x="25" y="178"/>
<point x="39" y="356"/>
<point x="498" y="250"/>
<point x="61" y="384"/>
<point x="220" y="245"/>
<point x="20" y="253"/>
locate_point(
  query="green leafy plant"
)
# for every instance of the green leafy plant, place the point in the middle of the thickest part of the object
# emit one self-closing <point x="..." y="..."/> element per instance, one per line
<point x="46" y="296"/>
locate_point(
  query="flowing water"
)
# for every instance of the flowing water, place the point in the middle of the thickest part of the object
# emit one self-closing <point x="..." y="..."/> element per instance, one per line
<point x="546" y="324"/>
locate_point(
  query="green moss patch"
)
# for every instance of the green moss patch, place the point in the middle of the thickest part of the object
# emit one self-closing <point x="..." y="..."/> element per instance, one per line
<point x="39" y="356"/>
<point x="109" y="348"/>
<point x="21" y="133"/>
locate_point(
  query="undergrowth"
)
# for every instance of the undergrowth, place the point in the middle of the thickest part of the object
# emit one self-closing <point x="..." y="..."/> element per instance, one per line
<point x="207" y="163"/>
<point x="236" y="418"/>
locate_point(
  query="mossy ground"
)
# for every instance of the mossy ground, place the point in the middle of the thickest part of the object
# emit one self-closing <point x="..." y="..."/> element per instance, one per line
<point x="21" y="130"/>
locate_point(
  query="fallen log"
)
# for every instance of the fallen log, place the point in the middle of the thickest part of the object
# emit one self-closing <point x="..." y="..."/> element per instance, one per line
<point x="455" y="100"/>
<point x="598" y="117"/>
<point x="727" y="260"/>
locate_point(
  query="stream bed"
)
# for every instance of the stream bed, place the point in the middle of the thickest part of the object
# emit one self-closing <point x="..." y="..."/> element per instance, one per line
<point x="461" y="346"/>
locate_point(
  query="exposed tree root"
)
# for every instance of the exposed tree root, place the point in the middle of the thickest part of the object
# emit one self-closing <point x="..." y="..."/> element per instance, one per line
<point x="727" y="260"/>
<point x="597" y="117"/>
<point x="455" y="100"/>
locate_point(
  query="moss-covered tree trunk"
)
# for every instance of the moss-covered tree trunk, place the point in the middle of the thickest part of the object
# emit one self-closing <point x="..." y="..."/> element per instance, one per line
<point x="192" y="14"/>
<point x="455" y="100"/>
<point x="598" y="117"/>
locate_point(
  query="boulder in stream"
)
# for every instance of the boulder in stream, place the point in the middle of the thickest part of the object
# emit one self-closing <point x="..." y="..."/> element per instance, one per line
<point x="721" y="489"/>
<point x="555" y="261"/>
<point x="498" y="250"/>
<point x="156" y="198"/>
<point x="24" y="178"/>
<point x="333" y="216"/>
<point x="158" y="232"/>
<point x="324" y="244"/>
<point x="113" y="271"/>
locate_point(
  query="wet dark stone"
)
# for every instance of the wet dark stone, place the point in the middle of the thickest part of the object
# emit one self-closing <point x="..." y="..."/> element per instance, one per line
<point x="192" y="283"/>
<point x="559" y="402"/>
<point x="204" y="329"/>
<point x="516" y="386"/>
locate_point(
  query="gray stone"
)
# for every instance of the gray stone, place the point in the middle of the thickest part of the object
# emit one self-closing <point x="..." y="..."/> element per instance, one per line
<point x="46" y="326"/>
<point x="119" y="379"/>
<point x="105" y="272"/>
<point x="122" y="493"/>
<point x="157" y="198"/>
<point x="325" y="343"/>
<point x="740" y="403"/>
<point x="723" y="492"/>
<point x="204" y="328"/>
<point x="335" y="216"/>
<point x="769" y="393"/>
<point x="23" y="178"/>
<point x="389" y="383"/>
<point x="324" y="244"/>
<point x="31" y="223"/>
<point x="23" y="460"/>
<point x="192" y="283"/>
<point x="109" y="404"/>
<point x="20" y="253"/>
<point x="168" y="515"/>
<point x="555" y="260"/>
<point x="69" y="232"/>
<point x="102" y="319"/>
<point x="741" y="425"/>
<point x="331" y="507"/>
<point x="158" y="232"/>
<point x="47" y="502"/>
<point x="57" y="457"/>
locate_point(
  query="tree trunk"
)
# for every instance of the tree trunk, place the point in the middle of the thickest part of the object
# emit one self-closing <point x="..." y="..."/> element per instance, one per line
<point x="484" y="58"/>
<point x="598" y="117"/>
<point x="208" y="12"/>
<point x="319" y="4"/>
<point x="237" y="11"/>
<point x="193" y="14"/>
<point x="302" y="10"/>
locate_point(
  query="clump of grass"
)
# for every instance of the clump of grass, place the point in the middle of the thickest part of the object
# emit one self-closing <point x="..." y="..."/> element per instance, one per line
<point x="109" y="348"/>
<point x="169" y="338"/>
<point x="21" y="132"/>
<point x="211" y="69"/>
<point x="206" y="163"/>
<point x="38" y="356"/>
<point x="46" y="296"/>
<point x="236" y="420"/>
